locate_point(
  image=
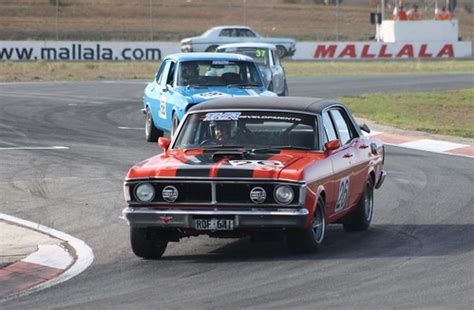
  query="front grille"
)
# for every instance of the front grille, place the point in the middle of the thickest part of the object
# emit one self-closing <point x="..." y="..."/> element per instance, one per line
<point x="235" y="193"/>
<point x="240" y="193"/>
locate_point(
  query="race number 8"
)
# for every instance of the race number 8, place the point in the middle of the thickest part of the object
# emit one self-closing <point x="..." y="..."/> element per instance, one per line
<point x="343" y="190"/>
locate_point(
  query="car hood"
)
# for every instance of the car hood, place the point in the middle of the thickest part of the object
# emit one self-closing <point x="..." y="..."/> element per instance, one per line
<point x="198" y="95"/>
<point x="286" y="164"/>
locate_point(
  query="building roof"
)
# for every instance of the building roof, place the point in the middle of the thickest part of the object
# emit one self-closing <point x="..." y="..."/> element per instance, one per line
<point x="297" y="104"/>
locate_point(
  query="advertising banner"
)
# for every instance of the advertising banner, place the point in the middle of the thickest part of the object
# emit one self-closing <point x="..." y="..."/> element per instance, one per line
<point x="155" y="51"/>
<point x="378" y="50"/>
<point x="86" y="50"/>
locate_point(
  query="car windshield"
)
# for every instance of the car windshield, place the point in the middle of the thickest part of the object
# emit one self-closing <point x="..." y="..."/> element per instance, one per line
<point x="249" y="130"/>
<point x="260" y="55"/>
<point x="218" y="73"/>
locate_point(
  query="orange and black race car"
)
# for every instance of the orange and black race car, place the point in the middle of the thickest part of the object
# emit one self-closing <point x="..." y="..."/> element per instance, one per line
<point x="256" y="166"/>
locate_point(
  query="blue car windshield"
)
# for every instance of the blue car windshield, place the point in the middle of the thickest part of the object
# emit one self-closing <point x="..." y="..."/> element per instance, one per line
<point x="218" y="73"/>
<point x="248" y="130"/>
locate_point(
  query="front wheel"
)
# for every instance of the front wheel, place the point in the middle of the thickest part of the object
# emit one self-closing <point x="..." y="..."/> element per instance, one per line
<point x="145" y="247"/>
<point x="151" y="132"/>
<point x="310" y="239"/>
<point x="285" y="90"/>
<point x="361" y="217"/>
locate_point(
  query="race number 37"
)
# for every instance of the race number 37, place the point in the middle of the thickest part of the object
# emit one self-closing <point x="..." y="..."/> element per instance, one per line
<point x="342" y="197"/>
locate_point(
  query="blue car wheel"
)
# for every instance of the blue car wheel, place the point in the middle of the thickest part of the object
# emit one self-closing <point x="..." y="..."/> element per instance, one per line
<point x="151" y="132"/>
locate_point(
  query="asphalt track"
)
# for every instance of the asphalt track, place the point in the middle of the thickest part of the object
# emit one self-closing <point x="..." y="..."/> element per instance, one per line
<point x="419" y="253"/>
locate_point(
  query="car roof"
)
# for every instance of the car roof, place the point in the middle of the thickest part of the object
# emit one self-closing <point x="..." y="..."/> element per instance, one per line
<point x="231" y="26"/>
<point x="294" y="104"/>
<point x="207" y="56"/>
<point x="248" y="44"/>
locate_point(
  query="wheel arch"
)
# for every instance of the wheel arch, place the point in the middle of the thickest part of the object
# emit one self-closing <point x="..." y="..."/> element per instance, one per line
<point x="320" y="192"/>
<point x="371" y="175"/>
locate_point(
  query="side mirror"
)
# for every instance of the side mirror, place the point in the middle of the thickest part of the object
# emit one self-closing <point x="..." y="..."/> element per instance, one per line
<point x="365" y="128"/>
<point x="165" y="88"/>
<point x="333" y="145"/>
<point x="164" y="143"/>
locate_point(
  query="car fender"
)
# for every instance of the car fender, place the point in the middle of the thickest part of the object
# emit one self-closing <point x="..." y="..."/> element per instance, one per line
<point x="312" y="197"/>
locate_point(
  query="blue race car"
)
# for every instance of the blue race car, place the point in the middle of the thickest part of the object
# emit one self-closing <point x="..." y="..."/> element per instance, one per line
<point x="184" y="80"/>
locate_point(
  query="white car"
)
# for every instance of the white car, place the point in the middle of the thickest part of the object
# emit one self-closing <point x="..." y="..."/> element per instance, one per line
<point x="212" y="38"/>
<point x="266" y="56"/>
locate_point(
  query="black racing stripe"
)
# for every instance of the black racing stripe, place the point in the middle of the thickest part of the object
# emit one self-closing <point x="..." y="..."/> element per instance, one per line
<point x="227" y="170"/>
<point x="199" y="167"/>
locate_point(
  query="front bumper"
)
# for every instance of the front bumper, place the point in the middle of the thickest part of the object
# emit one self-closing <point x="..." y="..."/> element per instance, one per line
<point x="179" y="218"/>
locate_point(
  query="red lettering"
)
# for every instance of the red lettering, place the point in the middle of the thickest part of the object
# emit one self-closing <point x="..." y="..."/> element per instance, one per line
<point x="446" y="50"/>
<point x="365" y="52"/>
<point x="423" y="53"/>
<point x="407" y="50"/>
<point x="349" y="50"/>
<point x="323" y="51"/>
<point x="383" y="52"/>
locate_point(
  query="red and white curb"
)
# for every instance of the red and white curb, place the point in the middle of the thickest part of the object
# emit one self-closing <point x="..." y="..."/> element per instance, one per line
<point x="50" y="265"/>
<point x="429" y="145"/>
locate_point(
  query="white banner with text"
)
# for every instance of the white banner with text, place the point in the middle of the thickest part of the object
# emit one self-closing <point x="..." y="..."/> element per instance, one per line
<point x="379" y="50"/>
<point x="86" y="50"/>
<point x="155" y="51"/>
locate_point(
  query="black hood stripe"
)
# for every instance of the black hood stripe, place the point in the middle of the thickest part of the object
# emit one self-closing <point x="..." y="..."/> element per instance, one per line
<point x="201" y="165"/>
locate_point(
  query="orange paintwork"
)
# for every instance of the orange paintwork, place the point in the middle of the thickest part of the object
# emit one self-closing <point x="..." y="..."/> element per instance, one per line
<point x="321" y="171"/>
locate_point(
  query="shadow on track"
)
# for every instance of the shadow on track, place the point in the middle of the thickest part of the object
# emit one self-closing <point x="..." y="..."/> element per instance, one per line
<point x="380" y="241"/>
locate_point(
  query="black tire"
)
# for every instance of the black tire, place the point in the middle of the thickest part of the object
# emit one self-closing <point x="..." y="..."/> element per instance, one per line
<point x="174" y="124"/>
<point x="151" y="132"/>
<point x="145" y="247"/>
<point x="309" y="240"/>
<point x="285" y="90"/>
<point x="361" y="217"/>
<point x="211" y="49"/>
<point x="281" y="51"/>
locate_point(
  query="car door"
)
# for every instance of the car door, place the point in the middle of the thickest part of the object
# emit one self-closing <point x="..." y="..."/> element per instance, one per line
<point x="349" y="137"/>
<point x="227" y="35"/>
<point x="245" y="35"/>
<point x="162" y="98"/>
<point x="168" y="96"/>
<point x="339" y="189"/>
<point x="277" y="72"/>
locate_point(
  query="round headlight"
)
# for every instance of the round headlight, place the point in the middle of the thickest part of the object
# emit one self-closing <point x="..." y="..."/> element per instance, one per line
<point x="145" y="192"/>
<point x="284" y="194"/>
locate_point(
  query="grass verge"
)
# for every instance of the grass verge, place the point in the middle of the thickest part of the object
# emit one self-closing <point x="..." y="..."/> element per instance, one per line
<point x="446" y="113"/>
<point x="74" y="71"/>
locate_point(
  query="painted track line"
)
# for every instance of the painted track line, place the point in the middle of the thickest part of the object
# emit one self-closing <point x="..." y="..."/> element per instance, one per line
<point x="83" y="258"/>
<point x="427" y="145"/>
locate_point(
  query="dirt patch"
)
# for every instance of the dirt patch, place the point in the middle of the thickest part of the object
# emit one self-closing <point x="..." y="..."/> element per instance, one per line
<point x="173" y="20"/>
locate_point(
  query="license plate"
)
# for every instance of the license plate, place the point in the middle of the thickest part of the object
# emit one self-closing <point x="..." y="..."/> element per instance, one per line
<point x="213" y="224"/>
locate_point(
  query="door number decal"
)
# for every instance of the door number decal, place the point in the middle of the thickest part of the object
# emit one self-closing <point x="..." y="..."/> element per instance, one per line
<point x="343" y="190"/>
<point x="162" y="112"/>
